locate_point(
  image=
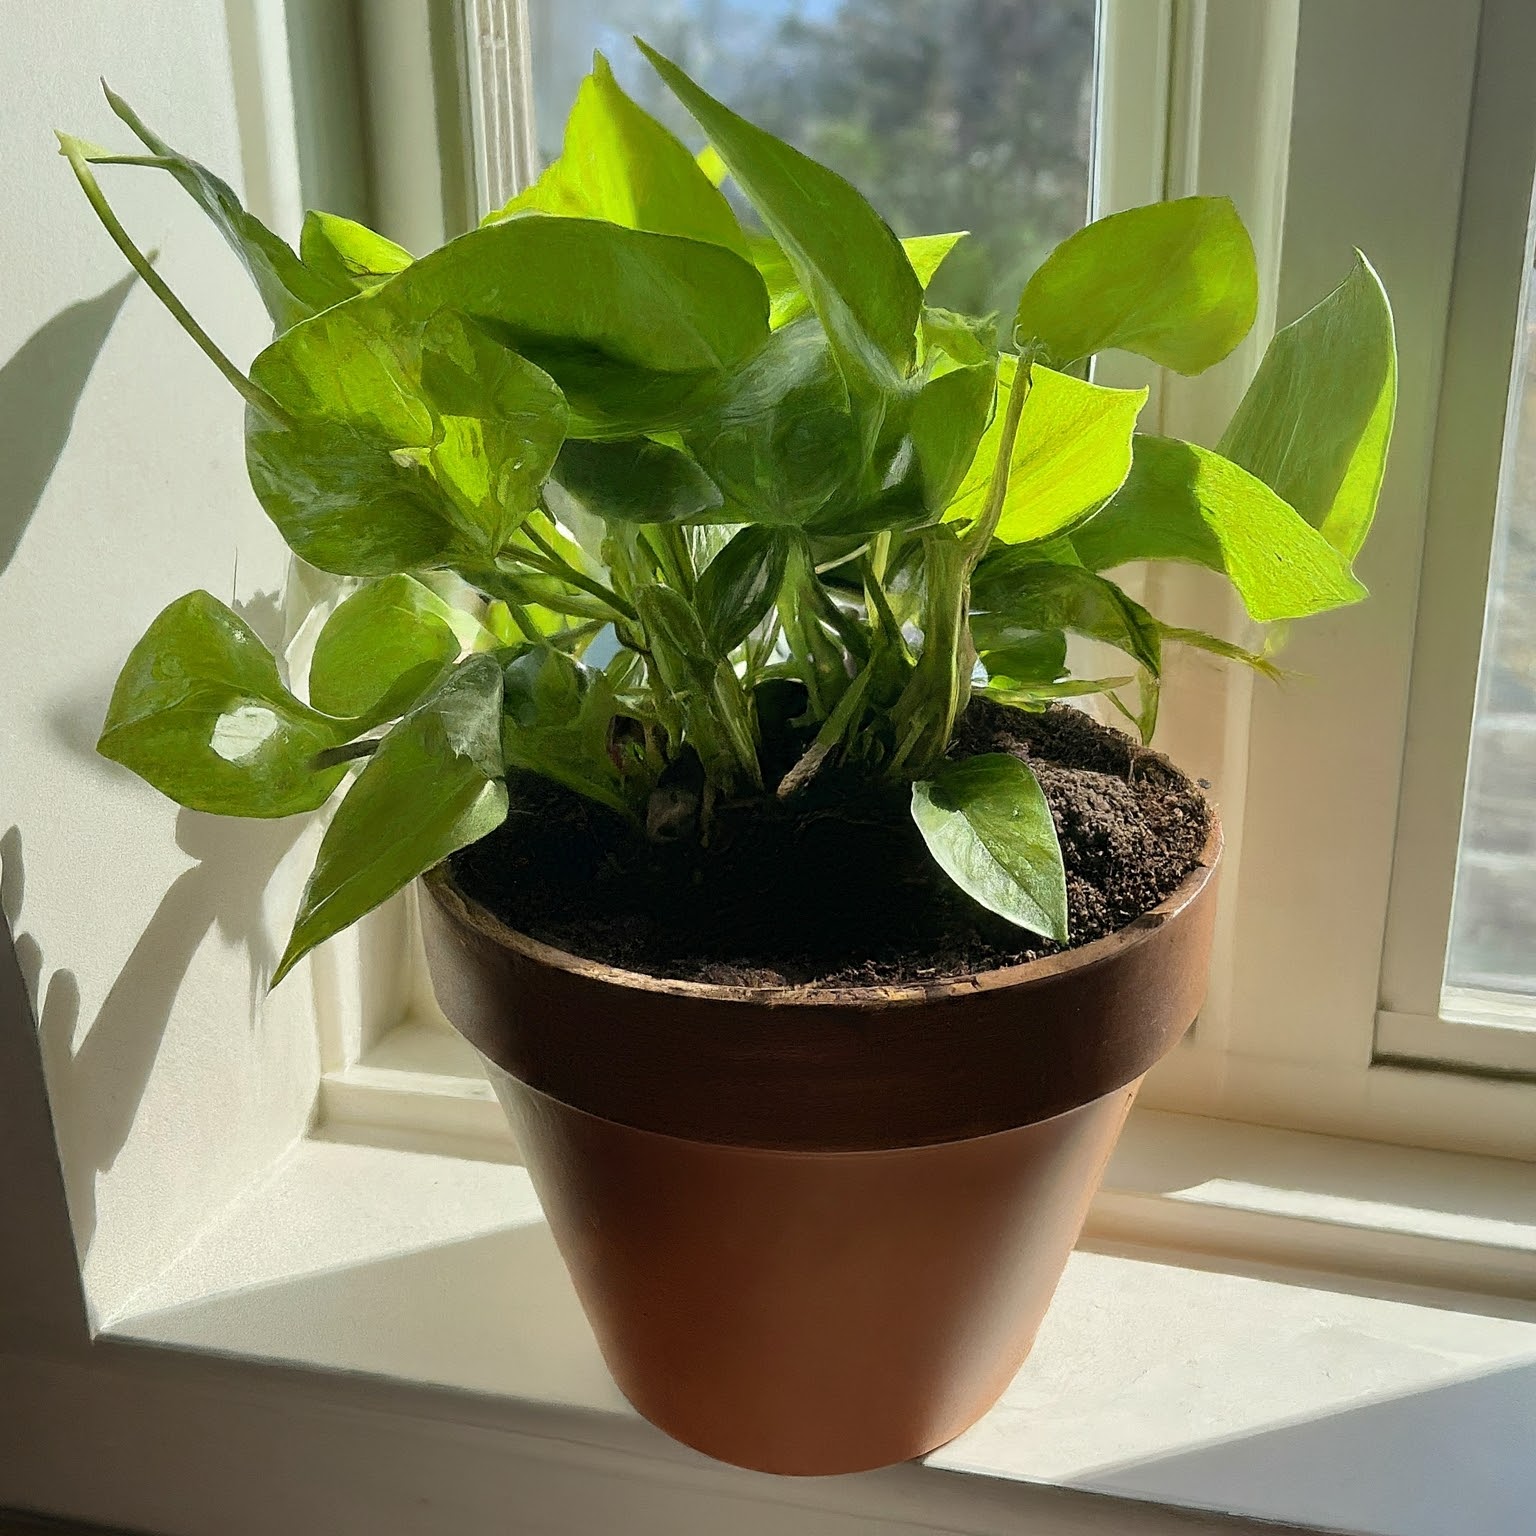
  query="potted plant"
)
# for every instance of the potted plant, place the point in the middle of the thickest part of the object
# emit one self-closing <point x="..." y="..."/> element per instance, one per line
<point x="701" y="640"/>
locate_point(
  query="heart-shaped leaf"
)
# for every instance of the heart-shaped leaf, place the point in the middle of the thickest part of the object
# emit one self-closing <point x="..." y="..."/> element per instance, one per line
<point x="637" y="329"/>
<point x="987" y="824"/>
<point x="200" y="712"/>
<point x="385" y="646"/>
<point x="1173" y="281"/>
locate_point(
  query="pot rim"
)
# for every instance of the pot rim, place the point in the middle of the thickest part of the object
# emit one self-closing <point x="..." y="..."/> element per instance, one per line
<point x="444" y="888"/>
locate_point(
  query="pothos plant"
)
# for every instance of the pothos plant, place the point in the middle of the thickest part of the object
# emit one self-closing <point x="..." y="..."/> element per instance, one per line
<point x="751" y="462"/>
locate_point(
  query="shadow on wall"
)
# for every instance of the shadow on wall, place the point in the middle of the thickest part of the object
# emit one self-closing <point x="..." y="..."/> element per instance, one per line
<point x="39" y="389"/>
<point x="97" y="1084"/>
<point x="44" y="1296"/>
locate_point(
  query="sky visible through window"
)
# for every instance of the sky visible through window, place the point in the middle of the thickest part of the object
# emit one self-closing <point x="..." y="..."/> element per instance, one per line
<point x="965" y="114"/>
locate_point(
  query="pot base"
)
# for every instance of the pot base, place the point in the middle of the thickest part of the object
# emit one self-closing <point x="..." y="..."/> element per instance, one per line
<point x="812" y="1313"/>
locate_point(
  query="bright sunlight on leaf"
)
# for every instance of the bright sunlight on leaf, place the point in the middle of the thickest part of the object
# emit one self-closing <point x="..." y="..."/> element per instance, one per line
<point x="1175" y="282"/>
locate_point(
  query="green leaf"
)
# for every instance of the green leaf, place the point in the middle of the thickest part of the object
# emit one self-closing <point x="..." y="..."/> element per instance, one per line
<point x="556" y="719"/>
<point x="986" y="822"/>
<point x="200" y="712"/>
<point x="1198" y="640"/>
<point x="1315" y="422"/>
<point x="1175" y="282"/>
<point x="635" y="480"/>
<point x="787" y="300"/>
<point x="1072" y="452"/>
<point x="412" y="445"/>
<point x="618" y="163"/>
<point x="1016" y="586"/>
<point x="1182" y="502"/>
<point x="927" y="438"/>
<point x="850" y="264"/>
<point x="782" y="441"/>
<point x="433" y="787"/>
<point x="1035" y="696"/>
<point x="288" y="288"/>
<point x="1023" y="656"/>
<point x="949" y="419"/>
<point x="927" y="252"/>
<point x="962" y="338"/>
<point x="385" y="646"/>
<point x="637" y="329"/>
<point x="738" y="588"/>
<point x="348" y="255"/>
<point x="500" y="422"/>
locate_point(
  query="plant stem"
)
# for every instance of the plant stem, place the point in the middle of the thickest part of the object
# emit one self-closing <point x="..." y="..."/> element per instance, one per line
<point x="554" y="564"/>
<point x="977" y="540"/>
<point x="73" y="151"/>
<point x="332" y="756"/>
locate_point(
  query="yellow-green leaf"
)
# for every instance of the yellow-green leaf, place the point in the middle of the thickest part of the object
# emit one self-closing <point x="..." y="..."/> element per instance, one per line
<point x="200" y="712"/>
<point x="1183" y="502"/>
<point x="618" y="163"/>
<point x="1316" y="421"/>
<point x="1072" y="452"/>
<point x="1175" y="282"/>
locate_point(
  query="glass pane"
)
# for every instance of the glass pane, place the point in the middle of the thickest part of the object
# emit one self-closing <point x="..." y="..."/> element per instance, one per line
<point x="1493" y="929"/>
<point x="970" y="114"/>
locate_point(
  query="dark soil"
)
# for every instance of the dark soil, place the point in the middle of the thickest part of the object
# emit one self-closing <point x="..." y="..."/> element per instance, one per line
<point x="841" y="892"/>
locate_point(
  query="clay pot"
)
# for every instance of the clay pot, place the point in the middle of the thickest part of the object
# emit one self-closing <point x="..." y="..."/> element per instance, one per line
<point x="816" y="1232"/>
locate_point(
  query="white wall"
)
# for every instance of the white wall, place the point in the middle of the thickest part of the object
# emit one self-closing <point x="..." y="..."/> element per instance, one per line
<point x="143" y="933"/>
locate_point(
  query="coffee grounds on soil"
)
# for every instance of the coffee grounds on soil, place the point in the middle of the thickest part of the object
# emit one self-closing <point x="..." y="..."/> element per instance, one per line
<point x="839" y="892"/>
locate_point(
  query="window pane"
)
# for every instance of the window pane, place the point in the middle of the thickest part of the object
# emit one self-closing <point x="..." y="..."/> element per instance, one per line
<point x="1493" y="929"/>
<point x="970" y="114"/>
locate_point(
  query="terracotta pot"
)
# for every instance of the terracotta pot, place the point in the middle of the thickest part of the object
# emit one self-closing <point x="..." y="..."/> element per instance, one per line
<point x="816" y="1232"/>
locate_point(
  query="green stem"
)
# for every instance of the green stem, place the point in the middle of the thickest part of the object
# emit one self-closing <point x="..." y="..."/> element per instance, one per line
<point x="977" y="540"/>
<point x="331" y="757"/>
<point x="73" y="151"/>
<point x="554" y="564"/>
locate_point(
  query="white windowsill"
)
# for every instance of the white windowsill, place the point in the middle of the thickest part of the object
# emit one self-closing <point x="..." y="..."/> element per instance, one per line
<point x="1372" y="1407"/>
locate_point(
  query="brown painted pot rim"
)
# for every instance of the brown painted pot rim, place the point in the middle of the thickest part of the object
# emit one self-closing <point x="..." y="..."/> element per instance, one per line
<point x="852" y="1068"/>
<point x="1139" y="930"/>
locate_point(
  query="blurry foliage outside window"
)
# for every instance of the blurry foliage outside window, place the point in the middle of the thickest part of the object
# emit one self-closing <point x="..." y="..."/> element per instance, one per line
<point x="1493" y="931"/>
<point x="948" y="114"/>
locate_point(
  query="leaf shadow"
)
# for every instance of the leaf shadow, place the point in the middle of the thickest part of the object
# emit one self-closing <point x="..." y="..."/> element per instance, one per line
<point x="40" y="388"/>
<point x="97" y="1080"/>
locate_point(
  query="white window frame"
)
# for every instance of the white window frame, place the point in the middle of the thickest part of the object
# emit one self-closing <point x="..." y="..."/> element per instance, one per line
<point x="1421" y="1019"/>
<point x="1198" y="97"/>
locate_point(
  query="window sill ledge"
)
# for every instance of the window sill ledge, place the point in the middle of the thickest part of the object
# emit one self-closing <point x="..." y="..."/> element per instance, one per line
<point x="1319" y="1402"/>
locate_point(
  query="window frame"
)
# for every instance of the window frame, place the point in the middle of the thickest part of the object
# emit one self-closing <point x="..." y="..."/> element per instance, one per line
<point x="1195" y="97"/>
<point x="1420" y="1018"/>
